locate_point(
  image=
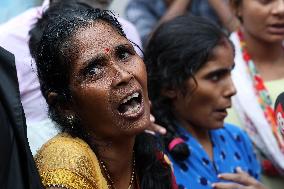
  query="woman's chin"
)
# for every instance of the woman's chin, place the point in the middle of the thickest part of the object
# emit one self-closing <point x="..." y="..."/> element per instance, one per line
<point x="138" y="127"/>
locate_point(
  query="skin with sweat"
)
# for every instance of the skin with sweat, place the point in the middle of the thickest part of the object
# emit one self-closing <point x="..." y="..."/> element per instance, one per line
<point x="104" y="73"/>
<point x="105" y="70"/>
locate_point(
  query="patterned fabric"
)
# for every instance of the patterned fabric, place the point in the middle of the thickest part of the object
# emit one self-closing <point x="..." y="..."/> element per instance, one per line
<point x="261" y="92"/>
<point x="145" y="14"/>
<point x="231" y="148"/>
<point x="246" y="104"/>
<point x="69" y="162"/>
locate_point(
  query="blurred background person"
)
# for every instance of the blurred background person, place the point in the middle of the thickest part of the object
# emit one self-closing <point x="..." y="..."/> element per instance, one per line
<point x="259" y="79"/>
<point x="146" y="15"/>
<point x="9" y="9"/>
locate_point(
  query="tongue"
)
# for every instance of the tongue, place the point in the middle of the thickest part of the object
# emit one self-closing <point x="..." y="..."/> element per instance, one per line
<point x="130" y="108"/>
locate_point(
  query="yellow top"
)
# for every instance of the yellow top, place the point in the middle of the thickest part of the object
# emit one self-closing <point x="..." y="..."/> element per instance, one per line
<point x="274" y="88"/>
<point x="69" y="162"/>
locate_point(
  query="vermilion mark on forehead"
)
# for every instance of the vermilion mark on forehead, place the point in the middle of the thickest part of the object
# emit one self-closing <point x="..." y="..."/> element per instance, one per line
<point x="107" y="50"/>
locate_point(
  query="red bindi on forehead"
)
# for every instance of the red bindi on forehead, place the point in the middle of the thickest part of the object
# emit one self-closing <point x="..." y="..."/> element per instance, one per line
<point x="107" y="50"/>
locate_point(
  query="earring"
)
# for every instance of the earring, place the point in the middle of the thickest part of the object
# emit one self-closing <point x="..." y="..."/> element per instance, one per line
<point x="70" y="120"/>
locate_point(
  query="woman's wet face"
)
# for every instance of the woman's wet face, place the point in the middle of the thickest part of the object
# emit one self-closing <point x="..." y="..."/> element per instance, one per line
<point x="108" y="83"/>
<point x="204" y="105"/>
<point x="263" y="19"/>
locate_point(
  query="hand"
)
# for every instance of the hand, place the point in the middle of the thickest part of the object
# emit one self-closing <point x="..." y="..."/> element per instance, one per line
<point x="155" y="128"/>
<point x="241" y="180"/>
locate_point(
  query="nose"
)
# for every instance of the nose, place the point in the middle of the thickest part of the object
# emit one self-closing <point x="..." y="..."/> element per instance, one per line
<point x="278" y="8"/>
<point x="230" y="90"/>
<point x="122" y="76"/>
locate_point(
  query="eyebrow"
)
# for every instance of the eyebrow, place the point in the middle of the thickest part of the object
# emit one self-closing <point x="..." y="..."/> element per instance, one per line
<point x="101" y="57"/>
<point x="220" y="71"/>
<point x="123" y="46"/>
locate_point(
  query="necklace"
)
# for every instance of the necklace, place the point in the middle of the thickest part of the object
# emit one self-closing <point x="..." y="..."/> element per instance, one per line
<point x="261" y="92"/>
<point x="111" y="183"/>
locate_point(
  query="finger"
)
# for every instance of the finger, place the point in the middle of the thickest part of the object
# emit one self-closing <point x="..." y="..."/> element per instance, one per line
<point x="150" y="103"/>
<point x="223" y="185"/>
<point x="152" y="118"/>
<point x="239" y="170"/>
<point x="150" y="132"/>
<point x="240" y="177"/>
<point x="157" y="129"/>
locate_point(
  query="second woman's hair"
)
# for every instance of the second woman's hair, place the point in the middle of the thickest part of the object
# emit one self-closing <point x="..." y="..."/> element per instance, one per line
<point x="175" y="52"/>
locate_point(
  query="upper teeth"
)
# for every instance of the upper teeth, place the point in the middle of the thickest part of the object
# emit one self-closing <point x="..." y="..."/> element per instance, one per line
<point x="130" y="97"/>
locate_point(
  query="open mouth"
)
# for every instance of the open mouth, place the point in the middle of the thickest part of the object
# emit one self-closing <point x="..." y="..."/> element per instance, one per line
<point x="131" y="105"/>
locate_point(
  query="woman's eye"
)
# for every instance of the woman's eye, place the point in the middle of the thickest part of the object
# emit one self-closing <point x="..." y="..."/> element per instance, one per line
<point x="215" y="77"/>
<point x="94" y="70"/>
<point x="123" y="55"/>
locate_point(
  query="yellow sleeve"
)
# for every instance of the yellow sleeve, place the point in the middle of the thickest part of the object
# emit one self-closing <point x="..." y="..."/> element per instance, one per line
<point x="69" y="162"/>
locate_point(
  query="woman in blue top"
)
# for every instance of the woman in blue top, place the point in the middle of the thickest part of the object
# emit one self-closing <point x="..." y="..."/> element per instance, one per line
<point x="189" y="62"/>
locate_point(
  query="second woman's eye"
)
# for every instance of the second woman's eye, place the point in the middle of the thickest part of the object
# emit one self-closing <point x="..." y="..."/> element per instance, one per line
<point x="215" y="77"/>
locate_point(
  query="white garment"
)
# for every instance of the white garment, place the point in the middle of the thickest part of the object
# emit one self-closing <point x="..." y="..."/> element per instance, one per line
<point x="246" y="105"/>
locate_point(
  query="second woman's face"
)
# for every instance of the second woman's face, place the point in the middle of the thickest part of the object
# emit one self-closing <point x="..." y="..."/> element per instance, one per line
<point x="205" y="106"/>
<point x="263" y="19"/>
<point x="108" y="83"/>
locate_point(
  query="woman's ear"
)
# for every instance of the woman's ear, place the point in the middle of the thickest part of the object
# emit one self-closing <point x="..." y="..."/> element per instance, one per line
<point x="51" y="98"/>
<point x="170" y="93"/>
<point x="60" y="103"/>
<point x="236" y="8"/>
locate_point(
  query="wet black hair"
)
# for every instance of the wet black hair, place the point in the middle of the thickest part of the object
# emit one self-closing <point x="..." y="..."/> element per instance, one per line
<point x="174" y="53"/>
<point x="49" y="44"/>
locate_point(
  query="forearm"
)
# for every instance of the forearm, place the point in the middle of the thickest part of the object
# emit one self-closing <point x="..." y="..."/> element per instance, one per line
<point x="176" y="8"/>
<point x="228" y="19"/>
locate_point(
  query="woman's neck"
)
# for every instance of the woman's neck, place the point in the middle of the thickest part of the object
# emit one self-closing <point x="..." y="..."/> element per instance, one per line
<point x="267" y="57"/>
<point x="202" y="135"/>
<point x="117" y="155"/>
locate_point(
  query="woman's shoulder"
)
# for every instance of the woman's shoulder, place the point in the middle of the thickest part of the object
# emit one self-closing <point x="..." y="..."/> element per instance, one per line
<point x="69" y="162"/>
